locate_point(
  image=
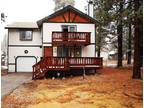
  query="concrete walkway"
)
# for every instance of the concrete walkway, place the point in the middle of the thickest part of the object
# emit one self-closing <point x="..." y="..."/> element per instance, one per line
<point x="11" y="81"/>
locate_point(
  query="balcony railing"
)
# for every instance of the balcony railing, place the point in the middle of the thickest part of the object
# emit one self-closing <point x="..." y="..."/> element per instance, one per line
<point x="81" y="38"/>
<point x="64" y="63"/>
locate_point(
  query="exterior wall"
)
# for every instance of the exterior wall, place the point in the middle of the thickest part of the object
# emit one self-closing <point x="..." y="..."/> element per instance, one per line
<point x="48" y="28"/>
<point x="16" y="47"/>
<point x="15" y="52"/>
<point x="14" y="38"/>
<point x="87" y="51"/>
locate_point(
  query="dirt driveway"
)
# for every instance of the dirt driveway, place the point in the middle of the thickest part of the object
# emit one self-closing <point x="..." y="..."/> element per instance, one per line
<point x="11" y="81"/>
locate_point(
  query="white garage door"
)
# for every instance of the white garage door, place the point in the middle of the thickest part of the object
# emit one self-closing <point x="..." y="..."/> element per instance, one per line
<point x="24" y="64"/>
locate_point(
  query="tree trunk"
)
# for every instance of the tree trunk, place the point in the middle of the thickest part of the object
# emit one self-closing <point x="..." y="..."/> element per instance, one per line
<point x="120" y="37"/>
<point x="130" y="36"/>
<point x="99" y="52"/>
<point x="138" y="41"/>
<point x="129" y="44"/>
<point x="99" y="42"/>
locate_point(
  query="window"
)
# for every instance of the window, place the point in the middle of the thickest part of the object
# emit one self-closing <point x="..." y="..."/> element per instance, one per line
<point x="77" y="51"/>
<point x="25" y="35"/>
<point x="72" y="28"/>
<point x="62" y="51"/>
<point x="69" y="28"/>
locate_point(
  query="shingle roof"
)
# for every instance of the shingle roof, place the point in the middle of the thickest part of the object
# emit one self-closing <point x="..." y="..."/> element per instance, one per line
<point x="22" y="25"/>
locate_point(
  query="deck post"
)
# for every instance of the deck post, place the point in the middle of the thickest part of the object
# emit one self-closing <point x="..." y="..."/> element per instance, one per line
<point x="33" y="74"/>
<point x="63" y="76"/>
<point x="84" y="74"/>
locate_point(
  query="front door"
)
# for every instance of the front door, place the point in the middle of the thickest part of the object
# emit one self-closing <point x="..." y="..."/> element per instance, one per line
<point x="47" y="51"/>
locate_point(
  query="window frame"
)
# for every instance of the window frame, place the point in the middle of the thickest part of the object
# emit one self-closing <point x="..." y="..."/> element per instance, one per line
<point x="68" y="27"/>
<point x="24" y="30"/>
<point x="75" y="26"/>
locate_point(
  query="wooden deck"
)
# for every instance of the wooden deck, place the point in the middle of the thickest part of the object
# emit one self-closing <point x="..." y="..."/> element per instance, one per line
<point x="64" y="64"/>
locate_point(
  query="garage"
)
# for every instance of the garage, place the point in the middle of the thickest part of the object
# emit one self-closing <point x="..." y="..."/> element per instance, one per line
<point x="24" y="64"/>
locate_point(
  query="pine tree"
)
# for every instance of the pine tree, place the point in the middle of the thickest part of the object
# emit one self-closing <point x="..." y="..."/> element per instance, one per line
<point x="62" y="3"/>
<point x="138" y="39"/>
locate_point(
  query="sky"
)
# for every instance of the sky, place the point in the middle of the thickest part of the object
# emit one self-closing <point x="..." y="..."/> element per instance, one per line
<point x="29" y="10"/>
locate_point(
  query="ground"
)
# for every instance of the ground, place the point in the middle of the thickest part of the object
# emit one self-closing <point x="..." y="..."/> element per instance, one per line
<point x="110" y="88"/>
<point x="11" y="81"/>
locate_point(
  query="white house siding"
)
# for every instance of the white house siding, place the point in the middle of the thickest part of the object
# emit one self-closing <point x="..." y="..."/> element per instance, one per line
<point x="14" y="38"/>
<point x="48" y="28"/>
<point x="88" y="51"/>
<point x="16" y="47"/>
<point x="11" y="68"/>
<point x="15" y="52"/>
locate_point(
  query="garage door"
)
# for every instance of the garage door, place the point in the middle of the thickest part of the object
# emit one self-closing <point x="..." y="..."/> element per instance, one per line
<point x="24" y="64"/>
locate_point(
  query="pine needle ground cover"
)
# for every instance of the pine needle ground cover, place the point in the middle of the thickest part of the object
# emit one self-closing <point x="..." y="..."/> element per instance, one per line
<point x="111" y="88"/>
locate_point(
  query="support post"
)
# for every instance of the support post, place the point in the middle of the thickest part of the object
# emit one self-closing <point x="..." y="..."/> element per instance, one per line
<point x="33" y="74"/>
<point x="95" y="71"/>
<point x="63" y="77"/>
<point x="84" y="72"/>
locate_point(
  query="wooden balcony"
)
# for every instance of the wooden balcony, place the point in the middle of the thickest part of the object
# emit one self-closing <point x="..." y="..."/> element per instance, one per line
<point x="64" y="64"/>
<point x="71" y="38"/>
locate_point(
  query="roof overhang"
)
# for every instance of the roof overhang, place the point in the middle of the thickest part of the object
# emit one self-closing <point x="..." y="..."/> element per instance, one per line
<point x="22" y="25"/>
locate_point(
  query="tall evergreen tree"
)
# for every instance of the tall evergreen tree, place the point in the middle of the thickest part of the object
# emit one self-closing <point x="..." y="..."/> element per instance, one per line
<point x="62" y="3"/>
<point x="120" y="35"/>
<point x="138" y="39"/>
<point x="101" y="14"/>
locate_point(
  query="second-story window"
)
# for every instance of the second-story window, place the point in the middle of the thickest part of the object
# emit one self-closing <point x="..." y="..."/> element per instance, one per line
<point x="72" y="28"/>
<point x="26" y="35"/>
<point x="69" y="28"/>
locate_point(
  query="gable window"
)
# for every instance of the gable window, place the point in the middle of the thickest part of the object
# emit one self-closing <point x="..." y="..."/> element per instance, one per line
<point x="72" y="28"/>
<point x="26" y="35"/>
<point x="69" y="28"/>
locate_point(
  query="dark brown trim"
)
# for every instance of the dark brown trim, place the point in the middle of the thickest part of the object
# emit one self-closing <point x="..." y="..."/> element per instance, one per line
<point x="64" y="18"/>
<point x="8" y="50"/>
<point x="42" y="34"/>
<point x="71" y="22"/>
<point x="11" y="63"/>
<point x="25" y="45"/>
<point x="47" y="42"/>
<point x="69" y="16"/>
<point x="74" y="18"/>
<point x="23" y="57"/>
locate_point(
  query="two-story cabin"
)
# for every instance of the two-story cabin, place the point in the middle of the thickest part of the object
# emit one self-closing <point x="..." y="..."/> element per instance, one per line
<point x="62" y="41"/>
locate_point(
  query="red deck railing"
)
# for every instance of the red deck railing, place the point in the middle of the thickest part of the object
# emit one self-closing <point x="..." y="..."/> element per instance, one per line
<point x="85" y="61"/>
<point x="64" y="63"/>
<point x="82" y="38"/>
